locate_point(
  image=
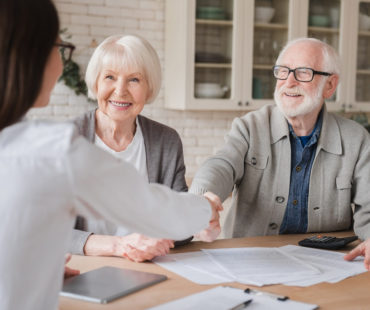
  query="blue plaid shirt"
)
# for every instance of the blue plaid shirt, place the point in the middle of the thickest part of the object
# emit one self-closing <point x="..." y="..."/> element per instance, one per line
<point x="303" y="151"/>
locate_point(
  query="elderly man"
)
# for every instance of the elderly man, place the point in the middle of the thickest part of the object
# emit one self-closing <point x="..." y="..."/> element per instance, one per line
<point x="294" y="167"/>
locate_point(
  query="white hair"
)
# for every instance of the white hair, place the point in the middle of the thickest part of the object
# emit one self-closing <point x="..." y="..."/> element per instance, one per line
<point x="330" y="57"/>
<point x="125" y="52"/>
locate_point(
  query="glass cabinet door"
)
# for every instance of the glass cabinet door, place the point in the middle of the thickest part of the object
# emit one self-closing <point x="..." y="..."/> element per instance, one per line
<point x="270" y="34"/>
<point x="324" y="21"/>
<point x="363" y="54"/>
<point x="324" y="24"/>
<point x="213" y="49"/>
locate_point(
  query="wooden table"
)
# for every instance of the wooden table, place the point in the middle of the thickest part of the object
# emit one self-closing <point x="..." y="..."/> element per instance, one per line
<point x="352" y="293"/>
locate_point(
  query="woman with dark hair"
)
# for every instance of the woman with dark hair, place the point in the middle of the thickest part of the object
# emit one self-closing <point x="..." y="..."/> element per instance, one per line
<point x="49" y="174"/>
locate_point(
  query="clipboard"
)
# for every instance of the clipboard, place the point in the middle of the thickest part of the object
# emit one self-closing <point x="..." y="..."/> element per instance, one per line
<point x="265" y="300"/>
<point x="230" y="298"/>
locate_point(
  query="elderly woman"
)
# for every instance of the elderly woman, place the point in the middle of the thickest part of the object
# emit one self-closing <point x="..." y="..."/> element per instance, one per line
<point x="124" y="74"/>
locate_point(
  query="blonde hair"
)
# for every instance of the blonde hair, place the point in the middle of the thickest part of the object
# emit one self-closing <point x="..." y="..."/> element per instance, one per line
<point x="125" y="52"/>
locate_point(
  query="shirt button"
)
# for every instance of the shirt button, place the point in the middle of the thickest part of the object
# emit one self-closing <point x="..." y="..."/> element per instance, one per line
<point x="254" y="161"/>
<point x="279" y="199"/>
<point x="298" y="168"/>
<point x="273" y="225"/>
<point x="295" y="202"/>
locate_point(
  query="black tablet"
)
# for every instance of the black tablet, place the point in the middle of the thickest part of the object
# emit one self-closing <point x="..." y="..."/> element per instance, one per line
<point x="108" y="283"/>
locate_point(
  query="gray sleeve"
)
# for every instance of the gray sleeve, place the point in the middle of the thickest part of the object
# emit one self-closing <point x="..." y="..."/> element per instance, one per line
<point x="78" y="240"/>
<point x="360" y="191"/>
<point x="222" y="171"/>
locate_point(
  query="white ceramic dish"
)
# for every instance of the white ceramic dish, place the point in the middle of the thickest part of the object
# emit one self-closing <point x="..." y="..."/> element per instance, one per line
<point x="210" y="90"/>
<point x="263" y="14"/>
<point x="363" y="22"/>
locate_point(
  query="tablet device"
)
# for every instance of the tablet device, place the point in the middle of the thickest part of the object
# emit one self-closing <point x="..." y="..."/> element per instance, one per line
<point x="108" y="283"/>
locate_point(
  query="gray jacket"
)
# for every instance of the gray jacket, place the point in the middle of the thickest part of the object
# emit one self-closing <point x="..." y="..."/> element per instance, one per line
<point x="255" y="164"/>
<point x="164" y="160"/>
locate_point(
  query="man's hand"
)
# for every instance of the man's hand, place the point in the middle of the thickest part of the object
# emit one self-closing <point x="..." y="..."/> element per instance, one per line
<point x="214" y="229"/>
<point x="362" y="249"/>
<point x="69" y="272"/>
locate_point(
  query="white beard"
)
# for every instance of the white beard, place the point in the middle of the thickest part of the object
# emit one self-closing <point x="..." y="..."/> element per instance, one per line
<point x="310" y="102"/>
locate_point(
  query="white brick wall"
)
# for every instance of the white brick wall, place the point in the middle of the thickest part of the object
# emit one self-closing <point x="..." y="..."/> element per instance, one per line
<point x="87" y="20"/>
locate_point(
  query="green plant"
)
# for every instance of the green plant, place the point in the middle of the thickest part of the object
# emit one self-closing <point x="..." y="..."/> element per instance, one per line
<point x="72" y="78"/>
<point x="71" y="75"/>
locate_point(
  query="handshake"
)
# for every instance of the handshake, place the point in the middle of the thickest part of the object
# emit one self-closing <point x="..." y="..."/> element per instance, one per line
<point x="214" y="229"/>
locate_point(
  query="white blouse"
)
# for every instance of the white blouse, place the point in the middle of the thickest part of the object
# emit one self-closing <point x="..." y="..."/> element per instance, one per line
<point x="136" y="156"/>
<point x="48" y="175"/>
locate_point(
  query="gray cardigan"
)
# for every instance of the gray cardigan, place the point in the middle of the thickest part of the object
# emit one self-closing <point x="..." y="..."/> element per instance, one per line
<point x="255" y="164"/>
<point x="164" y="160"/>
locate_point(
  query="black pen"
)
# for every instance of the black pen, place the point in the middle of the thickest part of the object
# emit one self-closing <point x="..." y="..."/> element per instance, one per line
<point x="242" y="305"/>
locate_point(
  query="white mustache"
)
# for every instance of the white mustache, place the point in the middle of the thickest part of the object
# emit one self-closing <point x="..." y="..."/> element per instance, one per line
<point x="292" y="91"/>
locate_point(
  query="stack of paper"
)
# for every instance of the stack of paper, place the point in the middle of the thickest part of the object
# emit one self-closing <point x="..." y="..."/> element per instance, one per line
<point x="289" y="265"/>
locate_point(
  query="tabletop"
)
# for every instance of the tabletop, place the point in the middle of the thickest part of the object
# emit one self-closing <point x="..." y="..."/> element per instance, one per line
<point x="351" y="293"/>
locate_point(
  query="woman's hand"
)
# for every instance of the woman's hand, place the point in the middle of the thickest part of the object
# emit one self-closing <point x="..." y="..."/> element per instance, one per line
<point x="139" y="248"/>
<point x="214" y="229"/>
<point x="135" y="247"/>
<point x="69" y="272"/>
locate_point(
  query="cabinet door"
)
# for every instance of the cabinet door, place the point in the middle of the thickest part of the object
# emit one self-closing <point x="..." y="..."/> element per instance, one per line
<point x="270" y="31"/>
<point x="359" y="76"/>
<point x="203" y="54"/>
<point x="216" y="79"/>
<point x="324" y="22"/>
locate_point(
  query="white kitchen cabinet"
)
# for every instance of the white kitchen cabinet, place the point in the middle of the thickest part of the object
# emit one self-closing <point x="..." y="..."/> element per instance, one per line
<point x="218" y="57"/>
<point x="358" y="81"/>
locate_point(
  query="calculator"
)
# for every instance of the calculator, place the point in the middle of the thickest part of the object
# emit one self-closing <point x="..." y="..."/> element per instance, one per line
<point x="327" y="242"/>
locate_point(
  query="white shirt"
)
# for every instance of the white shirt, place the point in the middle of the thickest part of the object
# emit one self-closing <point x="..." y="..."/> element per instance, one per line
<point x="136" y="156"/>
<point x="48" y="175"/>
<point x="133" y="154"/>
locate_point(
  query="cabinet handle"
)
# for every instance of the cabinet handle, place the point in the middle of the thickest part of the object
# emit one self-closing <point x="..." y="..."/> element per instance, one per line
<point x="239" y="103"/>
<point x="247" y="103"/>
<point x="350" y="106"/>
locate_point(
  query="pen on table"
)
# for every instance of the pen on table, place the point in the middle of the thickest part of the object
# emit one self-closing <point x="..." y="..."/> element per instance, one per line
<point x="242" y="305"/>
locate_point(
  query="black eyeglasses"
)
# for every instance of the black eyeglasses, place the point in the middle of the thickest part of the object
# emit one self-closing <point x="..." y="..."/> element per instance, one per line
<point x="66" y="50"/>
<point x="301" y="74"/>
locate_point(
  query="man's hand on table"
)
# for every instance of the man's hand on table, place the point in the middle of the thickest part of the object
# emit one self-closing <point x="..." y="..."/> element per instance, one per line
<point x="363" y="249"/>
<point x="214" y="229"/>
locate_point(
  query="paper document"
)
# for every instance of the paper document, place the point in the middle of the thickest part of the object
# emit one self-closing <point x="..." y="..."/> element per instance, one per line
<point x="225" y="298"/>
<point x="260" y="266"/>
<point x="332" y="266"/>
<point x="289" y="265"/>
<point x="194" y="273"/>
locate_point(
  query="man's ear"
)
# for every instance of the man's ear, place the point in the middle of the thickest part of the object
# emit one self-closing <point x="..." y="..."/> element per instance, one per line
<point x="330" y="86"/>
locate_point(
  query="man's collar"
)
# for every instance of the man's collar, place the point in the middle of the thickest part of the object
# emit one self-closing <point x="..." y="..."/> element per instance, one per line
<point x="329" y="140"/>
<point x="279" y="125"/>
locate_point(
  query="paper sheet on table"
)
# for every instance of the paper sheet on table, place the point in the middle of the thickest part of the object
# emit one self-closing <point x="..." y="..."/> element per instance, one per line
<point x="224" y="298"/>
<point x="332" y="266"/>
<point x="261" y="266"/>
<point x="210" y="274"/>
<point x="201" y="262"/>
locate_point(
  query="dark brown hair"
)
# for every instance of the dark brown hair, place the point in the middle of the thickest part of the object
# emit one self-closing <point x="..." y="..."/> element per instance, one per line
<point x="28" y="31"/>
